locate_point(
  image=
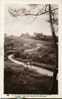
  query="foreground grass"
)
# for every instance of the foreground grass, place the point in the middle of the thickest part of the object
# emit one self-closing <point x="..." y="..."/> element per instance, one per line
<point x="20" y="80"/>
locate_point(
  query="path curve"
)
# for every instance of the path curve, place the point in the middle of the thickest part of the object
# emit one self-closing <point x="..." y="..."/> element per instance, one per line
<point x="32" y="67"/>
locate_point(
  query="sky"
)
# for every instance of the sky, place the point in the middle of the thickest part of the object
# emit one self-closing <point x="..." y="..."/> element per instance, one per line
<point x="23" y="24"/>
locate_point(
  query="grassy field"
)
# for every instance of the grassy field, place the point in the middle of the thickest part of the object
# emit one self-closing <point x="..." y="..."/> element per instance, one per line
<point x="20" y="80"/>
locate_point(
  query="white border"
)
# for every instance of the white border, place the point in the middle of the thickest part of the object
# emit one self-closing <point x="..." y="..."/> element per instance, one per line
<point x="2" y="6"/>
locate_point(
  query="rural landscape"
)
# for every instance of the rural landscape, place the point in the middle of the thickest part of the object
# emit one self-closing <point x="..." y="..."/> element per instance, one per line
<point x="30" y="62"/>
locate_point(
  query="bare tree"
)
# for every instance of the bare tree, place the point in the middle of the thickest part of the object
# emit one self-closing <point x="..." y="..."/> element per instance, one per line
<point x="56" y="48"/>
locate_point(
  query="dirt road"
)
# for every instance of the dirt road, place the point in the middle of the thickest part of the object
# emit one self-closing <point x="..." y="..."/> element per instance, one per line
<point x="32" y="67"/>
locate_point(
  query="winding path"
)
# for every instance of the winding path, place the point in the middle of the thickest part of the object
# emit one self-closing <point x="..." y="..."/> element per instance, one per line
<point x="32" y="67"/>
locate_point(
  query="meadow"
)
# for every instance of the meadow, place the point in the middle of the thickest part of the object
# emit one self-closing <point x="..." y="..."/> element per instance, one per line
<point x="37" y="51"/>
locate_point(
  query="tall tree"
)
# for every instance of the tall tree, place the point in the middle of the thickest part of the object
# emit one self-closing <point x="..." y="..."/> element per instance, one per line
<point x="56" y="48"/>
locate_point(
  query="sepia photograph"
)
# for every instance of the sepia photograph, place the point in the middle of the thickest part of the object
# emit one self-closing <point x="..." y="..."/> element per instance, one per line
<point x="31" y="49"/>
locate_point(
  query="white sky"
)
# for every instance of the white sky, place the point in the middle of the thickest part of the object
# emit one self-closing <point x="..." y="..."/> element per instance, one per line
<point x="23" y="24"/>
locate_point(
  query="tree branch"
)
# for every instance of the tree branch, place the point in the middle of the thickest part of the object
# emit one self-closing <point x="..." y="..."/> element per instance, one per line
<point x="40" y="13"/>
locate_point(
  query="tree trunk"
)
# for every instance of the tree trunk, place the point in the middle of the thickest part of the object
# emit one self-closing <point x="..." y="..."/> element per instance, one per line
<point x="56" y="50"/>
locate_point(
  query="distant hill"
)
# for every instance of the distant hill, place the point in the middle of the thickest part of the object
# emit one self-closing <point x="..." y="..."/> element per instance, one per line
<point x="26" y="39"/>
<point x="40" y="36"/>
<point x="26" y="35"/>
